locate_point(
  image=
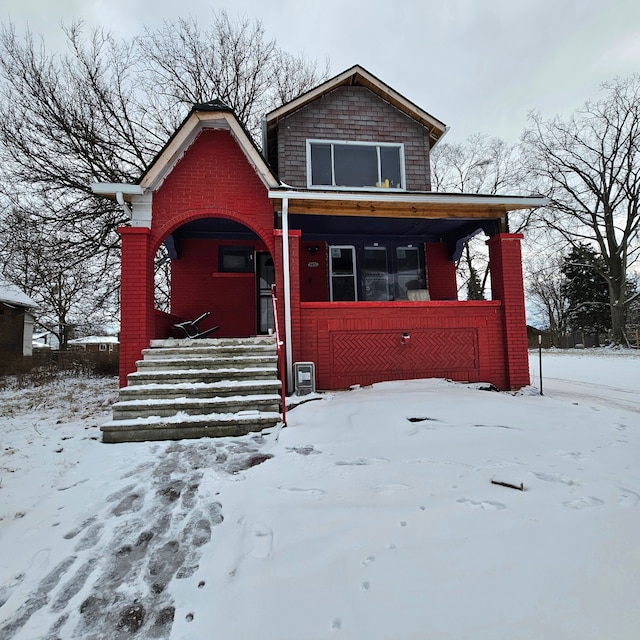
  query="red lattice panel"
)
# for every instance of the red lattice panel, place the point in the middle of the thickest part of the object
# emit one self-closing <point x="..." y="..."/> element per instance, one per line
<point x="429" y="353"/>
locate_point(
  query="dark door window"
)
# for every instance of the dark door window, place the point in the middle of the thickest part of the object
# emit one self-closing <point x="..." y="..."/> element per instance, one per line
<point x="266" y="277"/>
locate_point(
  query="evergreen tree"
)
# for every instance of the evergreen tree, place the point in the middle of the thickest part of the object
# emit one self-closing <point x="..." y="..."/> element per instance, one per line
<point x="586" y="290"/>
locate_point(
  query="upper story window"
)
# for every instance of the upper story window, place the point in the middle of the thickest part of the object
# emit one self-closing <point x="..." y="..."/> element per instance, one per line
<point x="356" y="165"/>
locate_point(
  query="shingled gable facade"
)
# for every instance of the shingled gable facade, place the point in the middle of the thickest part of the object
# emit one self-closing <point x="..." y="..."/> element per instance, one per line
<point x="340" y="216"/>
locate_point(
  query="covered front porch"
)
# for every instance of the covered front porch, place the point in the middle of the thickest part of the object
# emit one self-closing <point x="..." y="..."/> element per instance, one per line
<point x="370" y="288"/>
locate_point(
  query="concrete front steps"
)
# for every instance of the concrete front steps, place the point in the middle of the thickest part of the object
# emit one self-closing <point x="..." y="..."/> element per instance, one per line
<point x="196" y="388"/>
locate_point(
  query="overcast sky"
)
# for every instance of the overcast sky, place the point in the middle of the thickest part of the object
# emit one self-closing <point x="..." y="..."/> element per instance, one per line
<point x="478" y="65"/>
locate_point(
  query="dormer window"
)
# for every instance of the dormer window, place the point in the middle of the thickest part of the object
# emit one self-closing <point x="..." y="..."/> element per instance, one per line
<point x="333" y="164"/>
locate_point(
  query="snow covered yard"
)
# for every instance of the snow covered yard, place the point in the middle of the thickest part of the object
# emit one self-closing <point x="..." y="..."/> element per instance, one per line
<point x="375" y="517"/>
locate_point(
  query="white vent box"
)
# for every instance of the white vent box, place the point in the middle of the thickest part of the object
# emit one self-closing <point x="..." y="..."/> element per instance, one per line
<point x="304" y="374"/>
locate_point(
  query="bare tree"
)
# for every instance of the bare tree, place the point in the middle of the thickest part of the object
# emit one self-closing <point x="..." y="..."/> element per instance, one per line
<point x="481" y="164"/>
<point x="71" y="292"/>
<point x="183" y="64"/>
<point x="545" y="292"/>
<point x="102" y="110"/>
<point x="589" y="167"/>
<point x="66" y="121"/>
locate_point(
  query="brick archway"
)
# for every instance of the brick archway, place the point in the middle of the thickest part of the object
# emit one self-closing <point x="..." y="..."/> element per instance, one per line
<point x="212" y="179"/>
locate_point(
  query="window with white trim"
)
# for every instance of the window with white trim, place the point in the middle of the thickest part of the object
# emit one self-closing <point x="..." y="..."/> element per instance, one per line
<point x="342" y="269"/>
<point x="377" y="272"/>
<point x="356" y="165"/>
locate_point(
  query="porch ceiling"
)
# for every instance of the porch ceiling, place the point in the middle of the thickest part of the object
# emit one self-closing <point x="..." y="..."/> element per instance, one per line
<point x="336" y="228"/>
<point x="348" y="230"/>
<point x="343" y="228"/>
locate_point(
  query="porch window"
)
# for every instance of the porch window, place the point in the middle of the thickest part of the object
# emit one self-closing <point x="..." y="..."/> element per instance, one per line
<point x="409" y="271"/>
<point x="376" y="272"/>
<point x="357" y="165"/>
<point x="233" y="259"/>
<point x="342" y="269"/>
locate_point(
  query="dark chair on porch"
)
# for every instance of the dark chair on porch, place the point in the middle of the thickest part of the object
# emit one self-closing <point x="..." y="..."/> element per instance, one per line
<point x="190" y="327"/>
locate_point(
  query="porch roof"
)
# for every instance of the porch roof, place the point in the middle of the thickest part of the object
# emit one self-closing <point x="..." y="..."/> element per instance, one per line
<point x="413" y="204"/>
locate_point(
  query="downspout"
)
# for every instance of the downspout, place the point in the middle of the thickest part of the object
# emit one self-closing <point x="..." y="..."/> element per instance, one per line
<point x="123" y="204"/>
<point x="287" y="293"/>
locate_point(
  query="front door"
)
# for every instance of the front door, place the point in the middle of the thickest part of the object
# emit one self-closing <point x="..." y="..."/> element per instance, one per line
<point x="265" y="278"/>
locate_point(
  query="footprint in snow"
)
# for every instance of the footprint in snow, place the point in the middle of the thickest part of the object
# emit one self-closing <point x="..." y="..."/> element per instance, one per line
<point x="129" y="504"/>
<point x="386" y="489"/>
<point x="628" y="498"/>
<point x="486" y="505"/>
<point x="584" y="503"/>
<point x="308" y="492"/>
<point x="7" y="590"/>
<point x="368" y="560"/>
<point x="91" y="537"/>
<point x="576" y="455"/>
<point x="83" y="527"/>
<point x="36" y="600"/>
<point x="258" y="539"/>
<point x="555" y="477"/>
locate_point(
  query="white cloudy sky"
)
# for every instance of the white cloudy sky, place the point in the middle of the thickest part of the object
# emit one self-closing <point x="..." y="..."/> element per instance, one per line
<point x="477" y="65"/>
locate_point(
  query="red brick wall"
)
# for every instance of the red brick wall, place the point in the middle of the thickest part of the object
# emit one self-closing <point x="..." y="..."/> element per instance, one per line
<point x="314" y="275"/>
<point x="362" y="343"/>
<point x="198" y="286"/>
<point x="441" y="272"/>
<point x="212" y="179"/>
<point x="507" y="286"/>
<point x="137" y="321"/>
<point x="352" y="113"/>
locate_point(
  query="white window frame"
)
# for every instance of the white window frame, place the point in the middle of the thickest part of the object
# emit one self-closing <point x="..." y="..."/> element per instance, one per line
<point x="333" y="186"/>
<point x="388" y="276"/>
<point x="354" y="273"/>
<point x="401" y="280"/>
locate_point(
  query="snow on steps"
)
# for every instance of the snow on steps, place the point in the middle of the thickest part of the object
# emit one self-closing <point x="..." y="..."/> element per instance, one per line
<point x="197" y="388"/>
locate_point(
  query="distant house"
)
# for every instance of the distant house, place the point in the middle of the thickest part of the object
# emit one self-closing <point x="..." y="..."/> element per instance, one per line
<point x="45" y="340"/>
<point x="338" y="212"/>
<point x="16" y="320"/>
<point x="96" y="344"/>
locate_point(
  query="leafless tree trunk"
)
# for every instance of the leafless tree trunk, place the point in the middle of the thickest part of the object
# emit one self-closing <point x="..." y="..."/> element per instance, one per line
<point x="589" y="167"/>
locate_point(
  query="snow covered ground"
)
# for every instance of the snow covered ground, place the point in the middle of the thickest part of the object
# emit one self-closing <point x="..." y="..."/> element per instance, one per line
<point x="372" y="516"/>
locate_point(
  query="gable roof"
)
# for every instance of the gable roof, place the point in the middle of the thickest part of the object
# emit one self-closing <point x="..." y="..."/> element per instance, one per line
<point x="359" y="76"/>
<point x="12" y="295"/>
<point x="213" y="114"/>
<point x="208" y="115"/>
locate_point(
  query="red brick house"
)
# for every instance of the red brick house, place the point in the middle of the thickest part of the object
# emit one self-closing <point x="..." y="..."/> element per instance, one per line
<point x="339" y="213"/>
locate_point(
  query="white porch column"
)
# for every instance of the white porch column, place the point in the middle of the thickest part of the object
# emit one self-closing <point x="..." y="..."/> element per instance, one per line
<point x="287" y="294"/>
